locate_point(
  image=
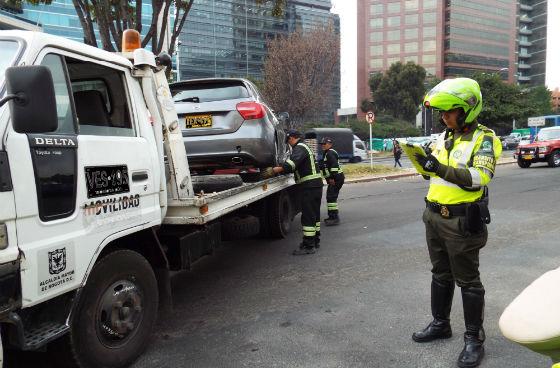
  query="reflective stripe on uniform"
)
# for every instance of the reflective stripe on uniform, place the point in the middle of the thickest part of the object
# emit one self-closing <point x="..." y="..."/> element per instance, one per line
<point x="476" y="178"/>
<point x="291" y="163"/>
<point x="334" y="169"/>
<point x="309" y="231"/>
<point x="318" y="226"/>
<point x="332" y="206"/>
<point x="314" y="174"/>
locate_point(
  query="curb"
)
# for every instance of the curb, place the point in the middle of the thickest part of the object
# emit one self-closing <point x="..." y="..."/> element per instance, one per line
<point x="399" y="176"/>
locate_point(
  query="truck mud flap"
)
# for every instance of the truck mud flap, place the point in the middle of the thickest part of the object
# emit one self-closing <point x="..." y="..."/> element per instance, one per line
<point x="187" y="245"/>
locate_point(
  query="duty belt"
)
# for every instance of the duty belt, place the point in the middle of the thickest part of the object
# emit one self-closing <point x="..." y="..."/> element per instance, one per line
<point x="447" y="210"/>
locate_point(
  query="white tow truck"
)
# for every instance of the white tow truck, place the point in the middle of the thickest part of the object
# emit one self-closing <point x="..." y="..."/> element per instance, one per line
<point x="97" y="205"/>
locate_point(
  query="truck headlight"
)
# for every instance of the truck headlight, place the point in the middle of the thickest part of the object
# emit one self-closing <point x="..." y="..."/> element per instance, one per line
<point x="543" y="149"/>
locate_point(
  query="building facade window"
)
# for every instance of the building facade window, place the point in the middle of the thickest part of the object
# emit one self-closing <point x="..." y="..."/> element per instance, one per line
<point x="411" y="47"/>
<point x="411" y="5"/>
<point x="376" y="63"/>
<point x="429" y="18"/>
<point x="376" y="50"/>
<point x="411" y="33"/>
<point x="411" y="20"/>
<point x="394" y="35"/>
<point x="429" y="45"/>
<point x="428" y="59"/>
<point x="376" y="9"/>
<point x="394" y="21"/>
<point x="394" y="7"/>
<point x="394" y="48"/>
<point x="430" y="4"/>
<point x="429" y="32"/>
<point x="413" y="58"/>
<point x="376" y="36"/>
<point x="376" y="23"/>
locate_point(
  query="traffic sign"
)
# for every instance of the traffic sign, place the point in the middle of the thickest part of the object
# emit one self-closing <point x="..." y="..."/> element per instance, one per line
<point x="536" y="122"/>
<point x="370" y="117"/>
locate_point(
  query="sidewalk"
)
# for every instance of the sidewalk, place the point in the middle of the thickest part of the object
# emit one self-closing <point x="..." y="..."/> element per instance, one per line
<point x="409" y="172"/>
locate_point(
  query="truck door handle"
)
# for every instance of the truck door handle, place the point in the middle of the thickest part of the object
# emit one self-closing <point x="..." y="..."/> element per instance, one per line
<point x="139" y="176"/>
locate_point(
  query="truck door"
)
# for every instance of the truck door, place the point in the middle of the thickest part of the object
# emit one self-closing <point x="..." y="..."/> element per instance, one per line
<point x="86" y="183"/>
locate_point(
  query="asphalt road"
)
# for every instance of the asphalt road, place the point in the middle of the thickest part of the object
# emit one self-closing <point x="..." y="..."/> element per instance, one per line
<point x="357" y="301"/>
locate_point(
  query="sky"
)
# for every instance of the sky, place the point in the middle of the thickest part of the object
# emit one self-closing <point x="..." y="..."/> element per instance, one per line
<point x="348" y="44"/>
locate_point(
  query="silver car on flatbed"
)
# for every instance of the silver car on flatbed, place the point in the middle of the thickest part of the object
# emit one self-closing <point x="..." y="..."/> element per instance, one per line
<point x="227" y="124"/>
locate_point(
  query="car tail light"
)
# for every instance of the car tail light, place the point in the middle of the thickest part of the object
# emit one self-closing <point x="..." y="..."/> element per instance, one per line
<point x="251" y="110"/>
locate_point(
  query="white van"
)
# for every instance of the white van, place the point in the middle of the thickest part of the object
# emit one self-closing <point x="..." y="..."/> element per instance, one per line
<point x="360" y="151"/>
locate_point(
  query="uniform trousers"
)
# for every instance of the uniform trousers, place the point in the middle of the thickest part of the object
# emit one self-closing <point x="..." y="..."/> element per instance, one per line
<point x="454" y="251"/>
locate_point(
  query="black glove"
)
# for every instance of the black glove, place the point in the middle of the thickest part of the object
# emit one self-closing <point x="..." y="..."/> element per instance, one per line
<point x="428" y="163"/>
<point x="267" y="173"/>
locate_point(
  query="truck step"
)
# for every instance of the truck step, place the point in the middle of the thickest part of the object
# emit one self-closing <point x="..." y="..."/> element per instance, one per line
<point x="36" y="338"/>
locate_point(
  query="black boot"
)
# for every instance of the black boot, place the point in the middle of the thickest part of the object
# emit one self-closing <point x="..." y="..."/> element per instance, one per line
<point x="439" y="328"/>
<point x="473" y="309"/>
<point x="307" y="246"/>
<point x="317" y="239"/>
<point x="333" y="218"/>
<point x="330" y="214"/>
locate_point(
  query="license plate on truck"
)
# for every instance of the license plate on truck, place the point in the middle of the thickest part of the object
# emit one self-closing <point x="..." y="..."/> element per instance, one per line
<point x="198" y="121"/>
<point x="527" y="157"/>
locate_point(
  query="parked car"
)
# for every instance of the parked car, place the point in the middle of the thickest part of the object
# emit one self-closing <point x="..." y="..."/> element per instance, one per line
<point x="227" y="124"/>
<point x="545" y="148"/>
<point x="511" y="141"/>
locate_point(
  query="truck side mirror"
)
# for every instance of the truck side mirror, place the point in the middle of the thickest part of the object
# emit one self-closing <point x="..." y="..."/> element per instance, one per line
<point x="33" y="106"/>
<point x="284" y="117"/>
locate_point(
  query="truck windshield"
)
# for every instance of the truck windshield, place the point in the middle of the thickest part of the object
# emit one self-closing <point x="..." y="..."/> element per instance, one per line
<point x="545" y="135"/>
<point x="8" y="52"/>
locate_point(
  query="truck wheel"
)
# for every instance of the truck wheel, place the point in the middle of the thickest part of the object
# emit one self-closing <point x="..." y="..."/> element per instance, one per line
<point x="280" y="215"/>
<point x="116" y="312"/>
<point x="554" y="159"/>
<point x="523" y="164"/>
<point x="240" y="227"/>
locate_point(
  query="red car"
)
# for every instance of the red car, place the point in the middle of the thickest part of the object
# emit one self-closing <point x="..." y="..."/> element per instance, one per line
<point x="545" y="148"/>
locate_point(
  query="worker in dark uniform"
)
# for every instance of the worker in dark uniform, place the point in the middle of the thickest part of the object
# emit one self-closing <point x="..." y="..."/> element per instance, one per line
<point x="308" y="177"/>
<point x="332" y="171"/>
<point x="461" y="166"/>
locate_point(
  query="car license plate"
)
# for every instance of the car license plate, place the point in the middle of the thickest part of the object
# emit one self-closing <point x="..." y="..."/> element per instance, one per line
<point x="198" y="121"/>
<point x="527" y="157"/>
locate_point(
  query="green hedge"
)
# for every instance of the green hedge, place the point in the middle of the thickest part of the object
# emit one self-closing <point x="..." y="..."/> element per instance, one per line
<point x="385" y="127"/>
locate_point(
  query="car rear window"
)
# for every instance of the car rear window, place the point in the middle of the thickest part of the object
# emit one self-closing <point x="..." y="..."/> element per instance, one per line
<point x="206" y="92"/>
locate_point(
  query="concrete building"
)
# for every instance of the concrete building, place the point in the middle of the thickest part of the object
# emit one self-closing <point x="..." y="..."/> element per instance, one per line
<point x="448" y="38"/>
<point x="531" y="68"/>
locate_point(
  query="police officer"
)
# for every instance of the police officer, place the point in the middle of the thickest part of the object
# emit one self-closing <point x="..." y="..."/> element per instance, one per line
<point x="309" y="178"/>
<point x="461" y="166"/>
<point x="332" y="171"/>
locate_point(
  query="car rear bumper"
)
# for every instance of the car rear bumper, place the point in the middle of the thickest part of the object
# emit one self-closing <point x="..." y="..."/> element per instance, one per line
<point x="253" y="144"/>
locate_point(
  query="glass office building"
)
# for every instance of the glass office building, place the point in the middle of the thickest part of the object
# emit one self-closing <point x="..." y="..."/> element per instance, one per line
<point x="60" y="18"/>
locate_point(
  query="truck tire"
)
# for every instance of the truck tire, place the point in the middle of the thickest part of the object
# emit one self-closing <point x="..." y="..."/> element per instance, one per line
<point x="240" y="227"/>
<point x="116" y="312"/>
<point x="523" y="164"/>
<point x="280" y="215"/>
<point x="554" y="159"/>
<point x="215" y="183"/>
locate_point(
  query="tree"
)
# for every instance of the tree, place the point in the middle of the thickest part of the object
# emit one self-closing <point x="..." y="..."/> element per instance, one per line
<point x="503" y="102"/>
<point x="400" y="90"/>
<point x="299" y="72"/>
<point x="113" y="17"/>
